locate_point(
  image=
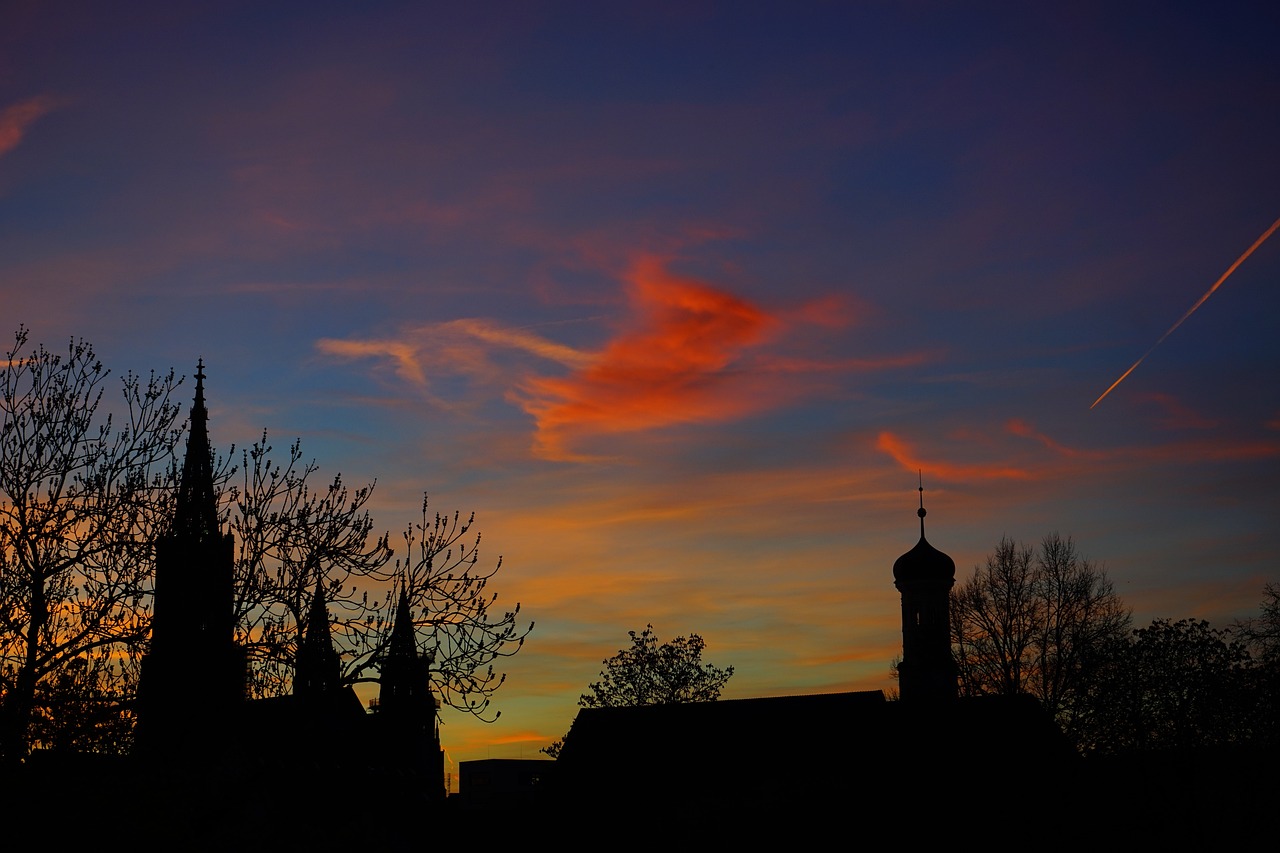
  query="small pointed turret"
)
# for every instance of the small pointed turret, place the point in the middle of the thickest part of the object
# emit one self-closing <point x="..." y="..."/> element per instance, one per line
<point x="319" y="668"/>
<point x="405" y="680"/>
<point x="407" y="707"/>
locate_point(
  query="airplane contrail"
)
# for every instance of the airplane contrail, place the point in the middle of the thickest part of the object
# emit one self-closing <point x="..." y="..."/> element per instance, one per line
<point x="1256" y="243"/>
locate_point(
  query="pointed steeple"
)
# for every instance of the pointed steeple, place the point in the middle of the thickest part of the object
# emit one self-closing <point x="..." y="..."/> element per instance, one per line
<point x="405" y="678"/>
<point x="402" y="643"/>
<point x="193" y="665"/>
<point x="407" y="707"/>
<point x="318" y="668"/>
<point x="196" y="514"/>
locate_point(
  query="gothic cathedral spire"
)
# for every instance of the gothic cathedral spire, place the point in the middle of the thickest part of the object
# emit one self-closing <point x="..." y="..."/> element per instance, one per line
<point x="193" y="667"/>
<point x="318" y="671"/>
<point x="195" y="515"/>
<point x="406" y="705"/>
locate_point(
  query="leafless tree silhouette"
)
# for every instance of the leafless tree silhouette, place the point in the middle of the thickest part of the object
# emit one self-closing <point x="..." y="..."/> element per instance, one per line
<point x="82" y="496"/>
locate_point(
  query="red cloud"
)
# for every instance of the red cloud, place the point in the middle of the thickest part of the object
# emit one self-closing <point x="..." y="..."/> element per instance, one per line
<point x="1022" y="429"/>
<point x="684" y="360"/>
<point x="905" y="456"/>
<point x="15" y="120"/>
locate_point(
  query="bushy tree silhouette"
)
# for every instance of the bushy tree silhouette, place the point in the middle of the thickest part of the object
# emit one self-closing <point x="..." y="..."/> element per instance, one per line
<point x="653" y="673"/>
<point x="1173" y="685"/>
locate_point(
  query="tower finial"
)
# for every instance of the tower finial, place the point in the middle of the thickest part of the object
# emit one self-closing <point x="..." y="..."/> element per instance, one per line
<point x="920" y="512"/>
<point x="200" y="382"/>
<point x="196" y="507"/>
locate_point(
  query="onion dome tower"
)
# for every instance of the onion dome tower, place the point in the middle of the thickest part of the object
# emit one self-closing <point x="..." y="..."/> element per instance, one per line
<point x="924" y="575"/>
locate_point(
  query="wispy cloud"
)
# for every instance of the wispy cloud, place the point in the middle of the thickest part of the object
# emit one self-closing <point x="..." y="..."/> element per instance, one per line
<point x="906" y="456"/>
<point x="457" y="347"/>
<point x="405" y="356"/>
<point x="16" y="119"/>
<point x="1023" y="429"/>
<point x="684" y="352"/>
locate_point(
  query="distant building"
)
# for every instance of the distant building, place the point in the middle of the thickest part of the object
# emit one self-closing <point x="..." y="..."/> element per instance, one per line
<point x="811" y="764"/>
<point x="490" y="783"/>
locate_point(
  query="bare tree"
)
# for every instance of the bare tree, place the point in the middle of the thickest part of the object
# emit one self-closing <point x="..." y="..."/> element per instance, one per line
<point x="462" y="632"/>
<point x="993" y="621"/>
<point x="292" y="537"/>
<point x="85" y="495"/>
<point x="1037" y="622"/>
<point x="1262" y="632"/>
<point x="82" y="494"/>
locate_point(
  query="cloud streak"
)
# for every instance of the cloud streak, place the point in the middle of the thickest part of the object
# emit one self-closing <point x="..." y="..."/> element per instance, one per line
<point x="685" y="352"/>
<point x="18" y="118"/>
<point x="906" y="456"/>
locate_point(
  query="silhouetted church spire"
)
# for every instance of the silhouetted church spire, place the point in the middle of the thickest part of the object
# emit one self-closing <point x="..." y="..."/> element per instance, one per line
<point x="924" y="575"/>
<point x="406" y="679"/>
<point x="193" y="666"/>
<point x="195" y="515"/>
<point x="406" y="705"/>
<point x="194" y="716"/>
<point x="319" y="668"/>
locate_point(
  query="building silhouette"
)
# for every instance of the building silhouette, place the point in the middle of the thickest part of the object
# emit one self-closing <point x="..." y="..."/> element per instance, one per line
<point x="192" y="662"/>
<point x="808" y="764"/>
<point x="924" y="575"/>
<point x="195" y="717"/>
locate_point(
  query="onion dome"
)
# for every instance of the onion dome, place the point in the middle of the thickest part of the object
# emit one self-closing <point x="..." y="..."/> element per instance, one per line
<point x="924" y="562"/>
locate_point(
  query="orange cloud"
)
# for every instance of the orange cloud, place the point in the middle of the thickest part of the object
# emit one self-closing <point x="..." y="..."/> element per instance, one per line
<point x="691" y="356"/>
<point x="499" y="335"/>
<point x="459" y="347"/>
<point x="905" y="456"/>
<point x="15" y="120"/>
<point x="688" y="353"/>
<point x="1022" y="429"/>
<point x="404" y="355"/>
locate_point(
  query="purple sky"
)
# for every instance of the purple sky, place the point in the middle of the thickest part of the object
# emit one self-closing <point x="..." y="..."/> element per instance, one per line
<point x="679" y="296"/>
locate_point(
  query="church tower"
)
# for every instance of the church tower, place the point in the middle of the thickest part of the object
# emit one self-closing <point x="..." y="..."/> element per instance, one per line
<point x="924" y="575"/>
<point x="407" y="707"/>
<point x="318" y="670"/>
<point x="193" y="670"/>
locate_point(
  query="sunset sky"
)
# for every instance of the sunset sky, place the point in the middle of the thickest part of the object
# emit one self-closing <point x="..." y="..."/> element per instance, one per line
<point x="679" y="297"/>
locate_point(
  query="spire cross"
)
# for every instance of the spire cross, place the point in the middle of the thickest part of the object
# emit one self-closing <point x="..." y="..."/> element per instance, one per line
<point x="200" y="382"/>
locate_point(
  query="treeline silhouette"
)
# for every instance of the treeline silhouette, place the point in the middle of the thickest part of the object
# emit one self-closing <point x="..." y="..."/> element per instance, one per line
<point x="1046" y="621"/>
